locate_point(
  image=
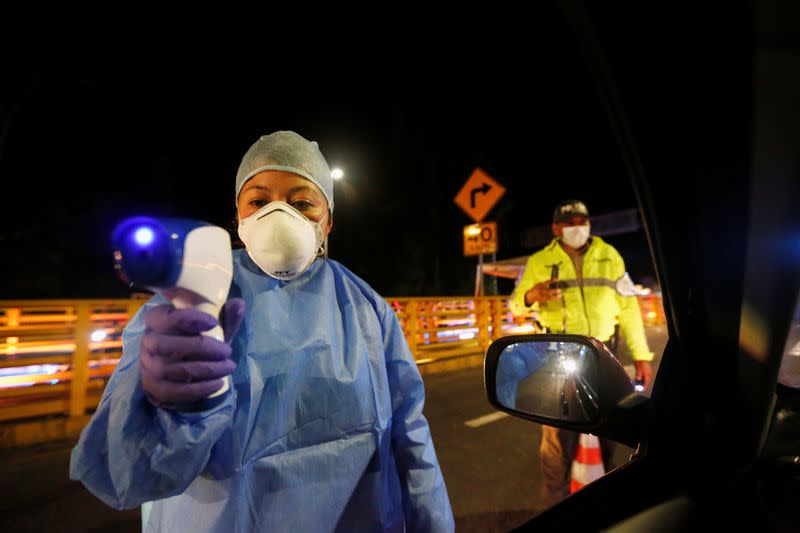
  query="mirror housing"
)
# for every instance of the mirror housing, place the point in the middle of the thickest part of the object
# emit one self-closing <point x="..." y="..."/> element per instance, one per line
<point x="617" y="412"/>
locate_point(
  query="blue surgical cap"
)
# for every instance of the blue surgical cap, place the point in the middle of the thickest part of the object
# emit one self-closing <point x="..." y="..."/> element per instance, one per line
<point x="290" y="152"/>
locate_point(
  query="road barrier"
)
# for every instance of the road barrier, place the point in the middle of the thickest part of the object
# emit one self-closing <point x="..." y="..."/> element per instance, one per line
<point x="56" y="356"/>
<point x="448" y="328"/>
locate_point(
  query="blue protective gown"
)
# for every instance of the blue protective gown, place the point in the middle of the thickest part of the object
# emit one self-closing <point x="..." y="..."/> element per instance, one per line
<point x="517" y="362"/>
<point x="322" y="431"/>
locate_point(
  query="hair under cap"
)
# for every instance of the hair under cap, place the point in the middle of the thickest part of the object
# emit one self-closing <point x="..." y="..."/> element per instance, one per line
<point x="290" y="152"/>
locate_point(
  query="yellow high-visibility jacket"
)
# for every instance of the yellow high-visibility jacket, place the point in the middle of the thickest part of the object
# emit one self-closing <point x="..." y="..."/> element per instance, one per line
<point x="591" y="309"/>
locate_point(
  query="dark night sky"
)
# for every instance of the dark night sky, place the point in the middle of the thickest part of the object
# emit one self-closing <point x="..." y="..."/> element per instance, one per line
<point x="147" y="110"/>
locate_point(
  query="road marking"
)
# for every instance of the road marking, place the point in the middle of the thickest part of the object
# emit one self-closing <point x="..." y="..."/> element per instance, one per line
<point x="485" y="419"/>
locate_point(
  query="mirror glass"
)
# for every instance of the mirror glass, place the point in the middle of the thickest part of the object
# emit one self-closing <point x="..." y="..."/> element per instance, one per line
<point x="550" y="379"/>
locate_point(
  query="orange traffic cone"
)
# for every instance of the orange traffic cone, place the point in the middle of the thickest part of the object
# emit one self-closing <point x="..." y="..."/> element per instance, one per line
<point x="588" y="463"/>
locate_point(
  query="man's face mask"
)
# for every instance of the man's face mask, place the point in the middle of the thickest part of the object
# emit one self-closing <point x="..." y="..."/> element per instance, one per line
<point x="281" y="240"/>
<point x="575" y="236"/>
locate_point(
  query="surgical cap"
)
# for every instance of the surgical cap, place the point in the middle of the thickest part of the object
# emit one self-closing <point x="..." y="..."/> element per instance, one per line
<point x="290" y="152"/>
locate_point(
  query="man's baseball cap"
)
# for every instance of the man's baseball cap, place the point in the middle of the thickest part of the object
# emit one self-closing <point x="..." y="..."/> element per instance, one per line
<point x="568" y="209"/>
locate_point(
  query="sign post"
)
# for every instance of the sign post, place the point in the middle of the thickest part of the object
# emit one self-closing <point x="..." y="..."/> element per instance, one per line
<point x="476" y="198"/>
<point x="479" y="277"/>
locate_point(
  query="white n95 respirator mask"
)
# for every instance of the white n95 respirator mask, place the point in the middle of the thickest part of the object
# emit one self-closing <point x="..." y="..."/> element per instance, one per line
<point x="281" y="240"/>
<point x="576" y="236"/>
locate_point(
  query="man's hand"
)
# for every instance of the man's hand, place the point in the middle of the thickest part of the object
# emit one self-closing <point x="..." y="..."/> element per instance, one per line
<point x="643" y="372"/>
<point x="542" y="292"/>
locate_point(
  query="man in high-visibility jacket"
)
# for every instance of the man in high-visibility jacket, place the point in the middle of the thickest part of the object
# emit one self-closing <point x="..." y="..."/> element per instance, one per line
<point x="581" y="287"/>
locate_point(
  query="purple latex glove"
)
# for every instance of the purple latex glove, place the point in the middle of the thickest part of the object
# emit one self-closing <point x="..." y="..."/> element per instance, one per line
<point x="178" y="364"/>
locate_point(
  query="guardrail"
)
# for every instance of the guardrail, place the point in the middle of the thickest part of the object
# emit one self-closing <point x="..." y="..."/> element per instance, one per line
<point x="446" y="328"/>
<point x="56" y="355"/>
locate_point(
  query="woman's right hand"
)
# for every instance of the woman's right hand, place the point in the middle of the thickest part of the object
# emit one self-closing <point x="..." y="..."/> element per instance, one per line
<point x="542" y="292"/>
<point x="180" y="365"/>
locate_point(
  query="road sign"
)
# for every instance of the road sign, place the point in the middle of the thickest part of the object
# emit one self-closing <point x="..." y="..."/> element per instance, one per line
<point x="479" y="194"/>
<point x="480" y="239"/>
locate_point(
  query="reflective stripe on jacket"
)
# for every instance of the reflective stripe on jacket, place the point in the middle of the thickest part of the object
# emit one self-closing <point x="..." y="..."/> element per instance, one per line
<point x="593" y="309"/>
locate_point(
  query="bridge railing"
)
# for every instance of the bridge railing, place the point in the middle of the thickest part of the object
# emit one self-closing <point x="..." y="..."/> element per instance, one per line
<point x="56" y="356"/>
<point x="452" y="327"/>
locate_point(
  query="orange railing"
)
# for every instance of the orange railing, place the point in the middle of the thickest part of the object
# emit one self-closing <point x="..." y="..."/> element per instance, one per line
<point x="652" y="309"/>
<point x="56" y="355"/>
<point x="451" y="327"/>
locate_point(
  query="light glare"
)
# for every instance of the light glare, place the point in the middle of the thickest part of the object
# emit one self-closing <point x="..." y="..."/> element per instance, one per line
<point x="473" y="230"/>
<point x="143" y="236"/>
<point x="570" y="365"/>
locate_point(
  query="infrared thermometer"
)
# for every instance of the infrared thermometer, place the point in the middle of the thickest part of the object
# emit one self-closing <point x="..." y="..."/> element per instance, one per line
<point x="188" y="261"/>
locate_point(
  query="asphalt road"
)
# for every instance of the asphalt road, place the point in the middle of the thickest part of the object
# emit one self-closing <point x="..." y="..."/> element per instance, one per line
<point x="37" y="495"/>
<point x="491" y="466"/>
<point x="490" y="463"/>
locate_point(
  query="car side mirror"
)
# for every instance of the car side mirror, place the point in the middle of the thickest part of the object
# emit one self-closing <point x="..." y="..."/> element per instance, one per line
<point x="568" y="381"/>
